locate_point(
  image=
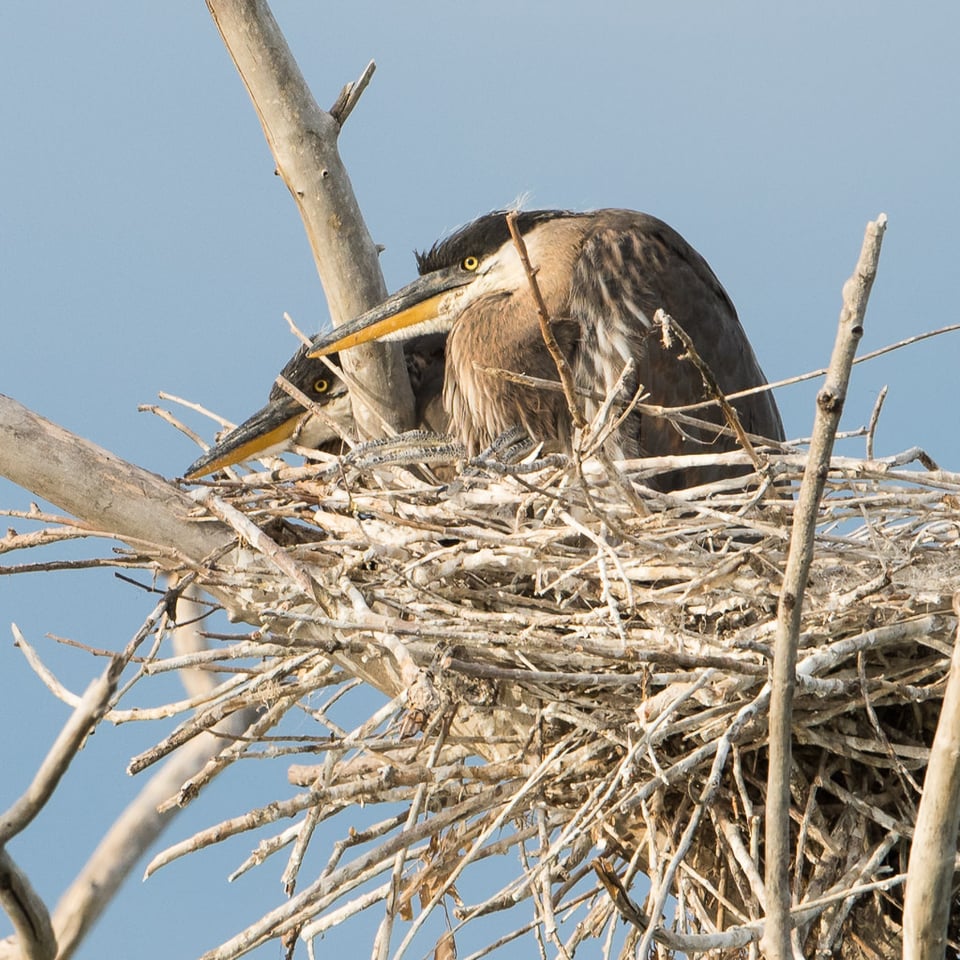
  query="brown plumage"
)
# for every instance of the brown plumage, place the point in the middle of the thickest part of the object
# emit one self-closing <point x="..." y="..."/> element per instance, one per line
<point x="603" y="275"/>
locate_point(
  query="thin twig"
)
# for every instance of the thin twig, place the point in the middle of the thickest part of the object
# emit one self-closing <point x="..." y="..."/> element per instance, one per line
<point x="670" y="325"/>
<point x="546" y="330"/>
<point x="874" y="420"/>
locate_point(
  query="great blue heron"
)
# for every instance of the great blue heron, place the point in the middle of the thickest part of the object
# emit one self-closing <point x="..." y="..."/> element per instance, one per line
<point x="283" y="421"/>
<point x="602" y="275"/>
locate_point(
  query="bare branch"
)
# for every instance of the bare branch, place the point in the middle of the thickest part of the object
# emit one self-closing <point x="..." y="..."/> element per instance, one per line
<point x="73" y="473"/>
<point x="303" y="140"/>
<point x="933" y="854"/>
<point x="132" y="833"/>
<point x="777" y="934"/>
<point x="64" y="749"/>
<point x="350" y="95"/>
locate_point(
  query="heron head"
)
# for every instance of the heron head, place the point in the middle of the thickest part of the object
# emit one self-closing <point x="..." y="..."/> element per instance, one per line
<point x="283" y="421"/>
<point x="477" y="261"/>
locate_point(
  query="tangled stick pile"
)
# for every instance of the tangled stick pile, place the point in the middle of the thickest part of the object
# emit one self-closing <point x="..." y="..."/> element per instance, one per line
<point x="586" y="684"/>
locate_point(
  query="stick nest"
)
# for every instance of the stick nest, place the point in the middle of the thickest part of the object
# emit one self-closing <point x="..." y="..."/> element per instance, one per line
<point x="581" y="676"/>
<point x="574" y="670"/>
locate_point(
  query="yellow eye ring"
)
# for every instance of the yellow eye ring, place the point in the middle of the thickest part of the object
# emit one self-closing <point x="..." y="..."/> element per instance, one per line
<point x="321" y="385"/>
<point x="470" y="263"/>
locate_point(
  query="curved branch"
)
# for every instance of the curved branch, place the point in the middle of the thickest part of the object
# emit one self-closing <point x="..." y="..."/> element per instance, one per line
<point x="34" y="938"/>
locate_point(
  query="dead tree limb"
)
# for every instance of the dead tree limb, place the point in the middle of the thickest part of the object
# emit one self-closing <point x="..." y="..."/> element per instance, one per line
<point x="856" y="291"/>
<point x="303" y="140"/>
<point x="933" y="854"/>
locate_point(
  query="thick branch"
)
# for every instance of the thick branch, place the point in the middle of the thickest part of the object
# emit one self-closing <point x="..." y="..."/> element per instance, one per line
<point x="97" y="486"/>
<point x="303" y="140"/>
<point x="830" y="400"/>
<point x="933" y="854"/>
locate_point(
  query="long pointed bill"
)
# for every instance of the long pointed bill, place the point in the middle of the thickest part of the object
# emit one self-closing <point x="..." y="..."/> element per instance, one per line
<point x="268" y="431"/>
<point x="411" y="311"/>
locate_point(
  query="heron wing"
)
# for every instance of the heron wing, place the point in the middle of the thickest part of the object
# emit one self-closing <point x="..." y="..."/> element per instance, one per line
<point x="631" y="265"/>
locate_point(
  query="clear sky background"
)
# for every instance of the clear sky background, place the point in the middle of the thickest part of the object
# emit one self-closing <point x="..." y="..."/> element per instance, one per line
<point x="146" y="246"/>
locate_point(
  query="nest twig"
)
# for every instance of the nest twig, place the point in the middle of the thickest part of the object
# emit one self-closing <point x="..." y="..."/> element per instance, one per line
<point x="563" y="689"/>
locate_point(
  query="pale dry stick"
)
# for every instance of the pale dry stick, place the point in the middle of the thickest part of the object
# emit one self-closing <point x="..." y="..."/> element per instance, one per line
<point x="269" y="718"/>
<point x="254" y="682"/>
<point x="910" y="786"/>
<point x="563" y="368"/>
<point x="848" y="892"/>
<point x="331" y="884"/>
<point x="239" y="650"/>
<point x="356" y="387"/>
<point x="304" y="929"/>
<point x="602" y="427"/>
<point x="806" y="822"/>
<point x="381" y="944"/>
<point x="686" y="889"/>
<point x="84" y="718"/>
<point x="168" y="417"/>
<point x="140" y="714"/>
<point x="44" y="674"/>
<point x="39" y="538"/>
<point x="250" y="533"/>
<point x="155" y="621"/>
<point x="304" y="834"/>
<point x="600" y="542"/>
<point x="874" y="420"/>
<point x="264" y="849"/>
<point x="251" y="820"/>
<point x="777" y="941"/>
<point x="813" y="374"/>
<point x="933" y="853"/>
<point x="197" y="408"/>
<point x="350" y="95"/>
<point x="303" y="140"/>
<point x="410" y="673"/>
<point x="314" y="409"/>
<point x="609" y="598"/>
<point x="502" y="900"/>
<point x="823" y="659"/>
<point x="546" y="890"/>
<point x="335" y="918"/>
<point x="531" y="784"/>
<point x="26" y="910"/>
<point x="747" y="863"/>
<point x="532" y="892"/>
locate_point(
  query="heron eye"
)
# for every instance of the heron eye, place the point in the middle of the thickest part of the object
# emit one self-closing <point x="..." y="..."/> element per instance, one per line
<point x="321" y="385"/>
<point x="470" y="263"/>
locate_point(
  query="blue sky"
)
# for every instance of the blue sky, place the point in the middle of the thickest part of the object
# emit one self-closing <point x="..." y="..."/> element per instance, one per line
<point x="146" y="245"/>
